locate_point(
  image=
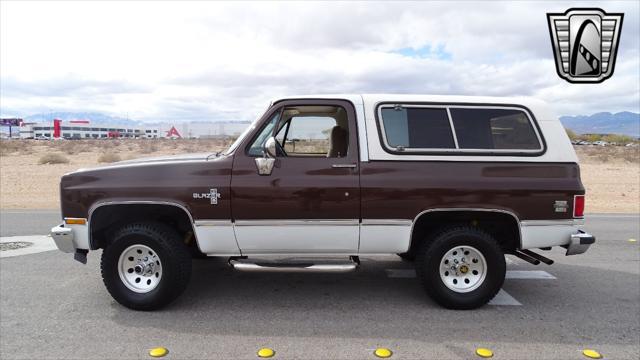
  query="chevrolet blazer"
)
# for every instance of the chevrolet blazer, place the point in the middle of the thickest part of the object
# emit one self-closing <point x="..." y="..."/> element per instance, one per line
<point x="451" y="183"/>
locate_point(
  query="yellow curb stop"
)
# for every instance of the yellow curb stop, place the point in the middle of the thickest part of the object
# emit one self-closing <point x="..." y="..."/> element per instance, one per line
<point x="266" y="353"/>
<point x="591" y="354"/>
<point x="632" y="240"/>
<point x="383" y="353"/>
<point x="483" y="352"/>
<point x="158" y="352"/>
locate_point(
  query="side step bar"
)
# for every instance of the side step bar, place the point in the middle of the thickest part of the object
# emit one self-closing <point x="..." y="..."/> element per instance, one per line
<point x="296" y="266"/>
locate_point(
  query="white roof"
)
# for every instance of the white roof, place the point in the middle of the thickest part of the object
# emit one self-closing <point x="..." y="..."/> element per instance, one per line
<point x="540" y="108"/>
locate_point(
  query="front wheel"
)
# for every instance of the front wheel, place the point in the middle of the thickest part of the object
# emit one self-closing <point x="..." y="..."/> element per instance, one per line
<point x="461" y="267"/>
<point x="145" y="266"/>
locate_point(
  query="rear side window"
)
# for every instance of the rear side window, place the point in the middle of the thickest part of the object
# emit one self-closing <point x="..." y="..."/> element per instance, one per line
<point x="458" y="129"/>
<point x="418" y="128"/>
<point x="494" y="129"/>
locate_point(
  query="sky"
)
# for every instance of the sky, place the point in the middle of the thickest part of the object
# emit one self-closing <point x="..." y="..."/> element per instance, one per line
<point x="194" y="61"/>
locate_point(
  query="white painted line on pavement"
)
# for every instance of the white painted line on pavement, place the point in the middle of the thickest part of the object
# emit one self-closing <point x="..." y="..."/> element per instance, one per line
<point x="528" y="274"/>
<point x="511" y="274"/>
<point x="40" y="243"/>
<point x="503" y="298"/>
<point x="401" y="273"/>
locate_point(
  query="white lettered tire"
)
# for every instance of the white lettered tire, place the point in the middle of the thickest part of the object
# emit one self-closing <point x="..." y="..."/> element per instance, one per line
<point x="461" y="267"/>
<point x="145" y="266"/>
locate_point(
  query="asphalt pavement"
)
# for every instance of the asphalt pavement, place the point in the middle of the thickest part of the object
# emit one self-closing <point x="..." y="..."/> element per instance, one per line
<point x="54" y="307"/>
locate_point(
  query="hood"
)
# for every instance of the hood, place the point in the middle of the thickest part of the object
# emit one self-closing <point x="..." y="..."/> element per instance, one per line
<point x="152" y="161"/>
<point x="156" y="159"/>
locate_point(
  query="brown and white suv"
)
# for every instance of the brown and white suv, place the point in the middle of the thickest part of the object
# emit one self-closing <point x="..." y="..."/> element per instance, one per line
<point x="452" y="182"/>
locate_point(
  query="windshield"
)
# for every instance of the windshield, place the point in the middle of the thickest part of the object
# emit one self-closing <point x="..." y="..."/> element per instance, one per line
<point x="240" y="138"/>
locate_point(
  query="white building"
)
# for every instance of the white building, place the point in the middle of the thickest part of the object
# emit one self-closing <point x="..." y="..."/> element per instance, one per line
<point x="83" y="129"/>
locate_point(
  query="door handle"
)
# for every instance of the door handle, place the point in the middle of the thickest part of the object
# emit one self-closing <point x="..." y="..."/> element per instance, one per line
<point x="343" y="166"/>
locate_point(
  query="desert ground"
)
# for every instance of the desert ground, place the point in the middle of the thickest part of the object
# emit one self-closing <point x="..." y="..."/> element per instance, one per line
<point x="30" y="170"/>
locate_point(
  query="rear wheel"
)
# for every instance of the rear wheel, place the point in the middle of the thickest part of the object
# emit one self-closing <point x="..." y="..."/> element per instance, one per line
<point x="145" y="266"/>
<point x="461" y="268"/>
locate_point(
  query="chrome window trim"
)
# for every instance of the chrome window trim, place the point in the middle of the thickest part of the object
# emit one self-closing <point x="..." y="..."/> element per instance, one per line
<point x="453" y="129"/>
<point x="518" y="222"/>
<point x="457" y="151"/>
<point x="97" y="205"/>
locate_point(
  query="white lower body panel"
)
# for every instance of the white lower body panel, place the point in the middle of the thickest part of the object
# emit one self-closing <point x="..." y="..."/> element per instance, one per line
<point x="543" y="233"/>
<point x="297" y="236"/>
<point x="216" y="237"/>
<point x="385" y="236"/>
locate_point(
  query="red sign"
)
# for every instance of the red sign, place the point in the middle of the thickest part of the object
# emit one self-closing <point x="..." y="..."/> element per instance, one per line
<point x="173" y="132"/>
<point x="56" y="128"/>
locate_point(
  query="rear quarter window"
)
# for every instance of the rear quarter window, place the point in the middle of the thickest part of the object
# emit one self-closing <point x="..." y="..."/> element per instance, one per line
<point x="454" y="129"/>
<point x="494" y="129"/>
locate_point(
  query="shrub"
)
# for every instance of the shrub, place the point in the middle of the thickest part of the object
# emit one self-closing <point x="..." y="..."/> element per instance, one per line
<point x="108" y="157"/>
<point x="147" y="147"/>
<point x="53" y="158"/>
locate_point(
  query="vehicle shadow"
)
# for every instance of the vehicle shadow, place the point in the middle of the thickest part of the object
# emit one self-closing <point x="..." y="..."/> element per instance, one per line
<point x="368" y="304"/>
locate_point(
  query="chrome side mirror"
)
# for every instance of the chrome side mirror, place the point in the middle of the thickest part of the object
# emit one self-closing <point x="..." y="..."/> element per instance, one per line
<point x="270" y="147"/>
<point x="265" y="164"/>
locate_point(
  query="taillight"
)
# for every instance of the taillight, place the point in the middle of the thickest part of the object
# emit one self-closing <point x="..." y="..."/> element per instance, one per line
<point x="578" y="206"/>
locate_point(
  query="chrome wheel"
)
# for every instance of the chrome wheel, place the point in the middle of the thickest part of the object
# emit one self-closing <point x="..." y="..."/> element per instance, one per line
<point x="140" y="268"/>
<point x="463" y="269"/>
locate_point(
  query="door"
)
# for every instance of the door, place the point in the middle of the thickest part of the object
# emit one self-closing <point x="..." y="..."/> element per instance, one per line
<point x="310" y="203"/>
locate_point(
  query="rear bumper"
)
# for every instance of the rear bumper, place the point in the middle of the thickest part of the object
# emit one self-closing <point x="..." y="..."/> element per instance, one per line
<point x="580" y="243"/>
<point x="566" y="233"/>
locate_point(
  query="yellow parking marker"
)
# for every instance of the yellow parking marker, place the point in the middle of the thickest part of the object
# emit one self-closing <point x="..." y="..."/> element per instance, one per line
<point x="632" y="240"/>
<point x="158" y="352"/>
<point x="383" y="353"/>
<point x="592" y="354"/>
<point x="266" y="353"/>
<point x="483" y="352"/>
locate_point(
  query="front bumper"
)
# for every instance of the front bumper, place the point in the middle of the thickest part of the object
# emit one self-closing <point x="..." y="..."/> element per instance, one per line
<point x="64" y="238"/>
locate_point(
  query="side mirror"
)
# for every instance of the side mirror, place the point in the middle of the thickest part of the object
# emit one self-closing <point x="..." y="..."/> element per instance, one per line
<point x="265" y="163"/>
<point x="270" y="147"/>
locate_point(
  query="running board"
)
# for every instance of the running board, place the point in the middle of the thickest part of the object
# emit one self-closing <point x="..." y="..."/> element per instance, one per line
<point x="296" y="265"/>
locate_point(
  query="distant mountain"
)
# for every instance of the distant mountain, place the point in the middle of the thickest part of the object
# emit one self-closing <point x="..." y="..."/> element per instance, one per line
<point x="95" y="118"/>
<point x="624" y="123"/>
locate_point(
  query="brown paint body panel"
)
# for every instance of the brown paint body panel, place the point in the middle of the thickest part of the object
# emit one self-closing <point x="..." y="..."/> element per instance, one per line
<point x="403" y="189"/>
<point x="173" y="182"/>
<point x="299" y="187"/>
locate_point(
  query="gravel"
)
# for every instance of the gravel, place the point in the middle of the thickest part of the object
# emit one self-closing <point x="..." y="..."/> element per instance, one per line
<point x="14" y="245"/>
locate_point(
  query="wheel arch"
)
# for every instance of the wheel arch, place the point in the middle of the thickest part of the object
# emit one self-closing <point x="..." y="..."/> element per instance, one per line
<point x="107" y="213"/>
<point x="502" y="224"/>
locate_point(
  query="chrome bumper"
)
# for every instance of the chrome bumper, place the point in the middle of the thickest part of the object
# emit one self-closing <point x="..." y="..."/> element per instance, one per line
<point x="64" y="239"/>
<point x="580" y="243"/>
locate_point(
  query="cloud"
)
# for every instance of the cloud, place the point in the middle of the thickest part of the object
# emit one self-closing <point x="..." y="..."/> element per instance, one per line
<point x="175" y="61"/>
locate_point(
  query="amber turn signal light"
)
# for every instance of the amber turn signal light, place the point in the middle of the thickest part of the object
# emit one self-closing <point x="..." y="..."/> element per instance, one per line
<point x="75" y="221"/>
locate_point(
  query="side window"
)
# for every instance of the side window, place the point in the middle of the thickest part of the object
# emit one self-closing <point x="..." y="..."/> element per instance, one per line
<point x="494" y="129"/>
<point x="258" y="143"/>
<point x="314" y="131"/>
<point x="417" y="128"/>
